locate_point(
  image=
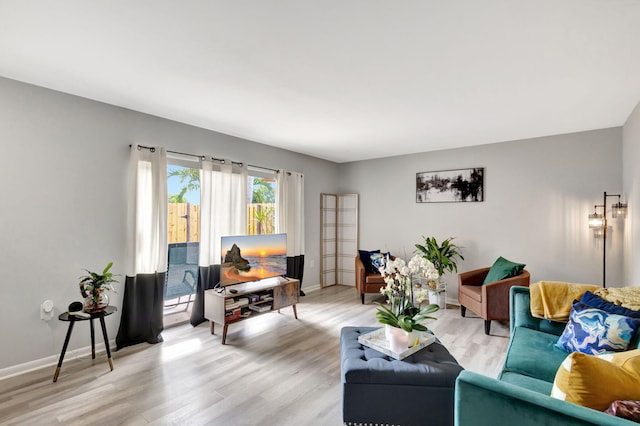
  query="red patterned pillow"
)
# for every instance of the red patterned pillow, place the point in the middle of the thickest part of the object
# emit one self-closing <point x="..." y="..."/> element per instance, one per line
<point x="629" y="410"/>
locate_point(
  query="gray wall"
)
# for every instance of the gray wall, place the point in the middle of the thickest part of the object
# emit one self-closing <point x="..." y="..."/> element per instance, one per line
<point x="64" y="165"/>
<point x="538" y="194"/>
<point x="64" y="162"/>
<point x="631" y="183"/>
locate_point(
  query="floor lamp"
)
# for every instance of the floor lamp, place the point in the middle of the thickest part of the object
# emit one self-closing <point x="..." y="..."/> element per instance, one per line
<point x="598" y="222"/>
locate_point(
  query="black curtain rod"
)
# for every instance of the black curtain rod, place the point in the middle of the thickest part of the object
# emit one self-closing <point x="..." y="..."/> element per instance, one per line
<point x="202" y="157"/>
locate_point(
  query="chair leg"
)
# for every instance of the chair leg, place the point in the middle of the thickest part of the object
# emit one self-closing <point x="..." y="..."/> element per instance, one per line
<point x="362" y="297"/>
<point x="487" y="327"/>
<point x="463" y="311"/>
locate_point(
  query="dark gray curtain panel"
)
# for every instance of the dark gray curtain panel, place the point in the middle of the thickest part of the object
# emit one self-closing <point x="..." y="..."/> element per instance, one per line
<point x="142" y="306"/>
<point x="208" y="277"/>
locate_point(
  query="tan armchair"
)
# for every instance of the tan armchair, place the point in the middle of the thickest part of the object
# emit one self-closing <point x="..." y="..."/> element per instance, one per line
<point x="367" y="282"/>
<point x="489" y="301"/>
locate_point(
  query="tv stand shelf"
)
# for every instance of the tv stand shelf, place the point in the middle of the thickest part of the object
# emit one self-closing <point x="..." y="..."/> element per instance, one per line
<point x="282" y="292"/>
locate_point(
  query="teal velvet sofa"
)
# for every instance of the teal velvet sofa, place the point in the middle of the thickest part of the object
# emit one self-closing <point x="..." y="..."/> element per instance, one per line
<point x="520" y="395"/>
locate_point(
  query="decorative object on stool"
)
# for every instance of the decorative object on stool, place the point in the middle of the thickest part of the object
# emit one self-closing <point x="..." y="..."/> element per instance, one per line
<point x="93" y="287"/>
<point x="437" y="290"/>
<point x="401" y="314"/>
<point x="443" y="257"/>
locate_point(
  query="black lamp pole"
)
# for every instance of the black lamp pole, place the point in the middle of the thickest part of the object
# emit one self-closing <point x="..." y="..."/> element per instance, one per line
<point x="604" y="240"/>
<point x="604" y="234"/>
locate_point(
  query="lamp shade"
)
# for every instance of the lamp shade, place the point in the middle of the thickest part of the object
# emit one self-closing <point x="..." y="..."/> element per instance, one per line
<point x="596" y="221"/>
<point x="619" y="210"/>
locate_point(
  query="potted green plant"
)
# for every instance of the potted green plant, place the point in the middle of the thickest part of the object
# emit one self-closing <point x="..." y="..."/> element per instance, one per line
<point x="93" y="287"/>
<point x="444" y="257"/>
<point x="401" y="316"/>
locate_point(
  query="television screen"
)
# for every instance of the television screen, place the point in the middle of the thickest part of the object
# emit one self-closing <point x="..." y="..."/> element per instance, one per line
<point x="252" y="257"/>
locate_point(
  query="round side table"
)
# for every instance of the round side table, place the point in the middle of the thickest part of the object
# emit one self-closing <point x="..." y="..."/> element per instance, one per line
<point x="72" y="319"/>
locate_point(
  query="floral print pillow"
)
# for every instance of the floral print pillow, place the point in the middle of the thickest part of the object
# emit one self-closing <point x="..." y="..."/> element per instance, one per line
<point x="593" y="331"/>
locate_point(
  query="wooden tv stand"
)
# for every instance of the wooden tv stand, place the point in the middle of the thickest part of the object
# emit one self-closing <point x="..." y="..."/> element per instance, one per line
<point x="274" y="293"/>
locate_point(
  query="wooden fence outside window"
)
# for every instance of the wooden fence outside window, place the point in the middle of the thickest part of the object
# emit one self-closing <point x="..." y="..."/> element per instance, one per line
<point x="184" y="219"/>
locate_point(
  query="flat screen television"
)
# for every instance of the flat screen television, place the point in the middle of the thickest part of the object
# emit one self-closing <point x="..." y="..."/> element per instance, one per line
<point x="252" y="257"/>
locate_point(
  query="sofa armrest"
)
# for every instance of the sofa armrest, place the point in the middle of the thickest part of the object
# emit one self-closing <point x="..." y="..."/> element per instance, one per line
<point x="520" y="315"/>
<point x="483" y="401"/>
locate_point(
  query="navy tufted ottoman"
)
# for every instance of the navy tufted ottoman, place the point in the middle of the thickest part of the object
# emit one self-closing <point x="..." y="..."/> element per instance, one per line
<point x="380" y="390"/>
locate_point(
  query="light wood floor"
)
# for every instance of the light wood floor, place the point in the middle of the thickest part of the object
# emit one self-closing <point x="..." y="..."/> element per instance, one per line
<point x="274" y="370"/>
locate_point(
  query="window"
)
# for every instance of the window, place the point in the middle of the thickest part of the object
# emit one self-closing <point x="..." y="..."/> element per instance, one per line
<point x="261" y="202"/>
<point x="183" y="227"/>
<point x="183" y="223"/>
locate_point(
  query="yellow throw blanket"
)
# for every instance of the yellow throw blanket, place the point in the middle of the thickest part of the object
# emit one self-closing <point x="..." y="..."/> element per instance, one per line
<point x="627" y="297"/>
<point x="553" y="300"/>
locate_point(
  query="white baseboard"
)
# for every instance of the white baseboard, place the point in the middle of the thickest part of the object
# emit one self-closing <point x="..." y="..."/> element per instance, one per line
<point x="14" y="370"/>
<point x="311" y="288"/>
<point x="452" y="302"/>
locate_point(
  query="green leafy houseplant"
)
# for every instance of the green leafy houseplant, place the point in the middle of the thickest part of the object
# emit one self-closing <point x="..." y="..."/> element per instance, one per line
<point x="443" y="256"/>
<point x="93" y="286"/>
<point x="409" y="317"/>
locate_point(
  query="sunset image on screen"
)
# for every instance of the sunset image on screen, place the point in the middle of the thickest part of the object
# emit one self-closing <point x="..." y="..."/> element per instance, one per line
<point x="252" y="257"/>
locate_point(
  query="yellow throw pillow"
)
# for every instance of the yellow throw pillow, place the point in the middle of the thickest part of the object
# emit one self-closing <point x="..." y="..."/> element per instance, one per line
<point x="594" y="382"/>
<point x="629" y="360"/>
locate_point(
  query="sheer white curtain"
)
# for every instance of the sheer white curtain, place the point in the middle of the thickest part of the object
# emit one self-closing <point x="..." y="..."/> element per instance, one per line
<point x="146" y="247"/>
<point x="147" y="211"/>
<point x="223" y="206"/>
<point x="223" y="211"/>
<point x="290" y="219"/>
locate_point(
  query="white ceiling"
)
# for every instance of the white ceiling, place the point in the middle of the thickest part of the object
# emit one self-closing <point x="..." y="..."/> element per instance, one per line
<point x="341" y="80"/>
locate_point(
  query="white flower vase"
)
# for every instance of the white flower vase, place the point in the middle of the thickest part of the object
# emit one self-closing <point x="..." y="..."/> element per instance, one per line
<point x="398" y="340"/>
<point x="439" y="297"/>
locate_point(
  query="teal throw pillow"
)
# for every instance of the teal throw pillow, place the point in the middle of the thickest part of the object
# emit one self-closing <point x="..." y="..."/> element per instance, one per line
<point x="593" y="331"/>
<point x="503" y="268"/>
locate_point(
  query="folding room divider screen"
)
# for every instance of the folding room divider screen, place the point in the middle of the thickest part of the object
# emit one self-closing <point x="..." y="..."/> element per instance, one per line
<point x="339" y="238"/>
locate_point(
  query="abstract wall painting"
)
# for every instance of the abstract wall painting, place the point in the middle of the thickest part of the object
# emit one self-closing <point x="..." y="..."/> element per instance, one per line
<point x="450" y="186"/>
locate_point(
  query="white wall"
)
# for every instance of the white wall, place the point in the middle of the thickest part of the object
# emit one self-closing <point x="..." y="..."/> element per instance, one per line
<point x="538" y="194"/>
<point x="631" y="185"/>
<point x="64" y="178"/>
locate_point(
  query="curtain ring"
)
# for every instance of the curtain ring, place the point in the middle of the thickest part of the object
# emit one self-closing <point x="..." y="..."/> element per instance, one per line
<point x="139" y="147"/>
<point x="152" y="149"/>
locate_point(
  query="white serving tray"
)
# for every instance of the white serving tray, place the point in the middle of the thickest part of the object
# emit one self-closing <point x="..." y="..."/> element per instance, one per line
<point x="378" y="341"/>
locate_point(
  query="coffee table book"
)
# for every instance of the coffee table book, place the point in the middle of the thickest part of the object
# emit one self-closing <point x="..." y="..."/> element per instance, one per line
<point x="378" y="341"/>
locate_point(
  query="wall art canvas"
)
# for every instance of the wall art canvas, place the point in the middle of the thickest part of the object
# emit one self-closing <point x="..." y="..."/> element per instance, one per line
<point x="450" y="186"/>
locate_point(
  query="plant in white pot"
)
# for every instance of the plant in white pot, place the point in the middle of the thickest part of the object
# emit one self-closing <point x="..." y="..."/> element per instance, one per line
<point x="444" y="257"/>
<point x="400" y="314"/>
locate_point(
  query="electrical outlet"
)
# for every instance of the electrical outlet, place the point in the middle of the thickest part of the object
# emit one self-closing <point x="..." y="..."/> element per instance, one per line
<point x="46" y="310"/>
